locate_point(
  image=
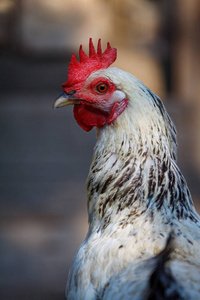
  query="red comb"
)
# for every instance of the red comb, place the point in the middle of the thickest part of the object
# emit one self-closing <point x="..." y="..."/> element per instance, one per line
<point x="79" y="71"/>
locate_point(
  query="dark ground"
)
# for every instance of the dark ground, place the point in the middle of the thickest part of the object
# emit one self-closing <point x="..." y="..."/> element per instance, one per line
<point x="45" y="157"/>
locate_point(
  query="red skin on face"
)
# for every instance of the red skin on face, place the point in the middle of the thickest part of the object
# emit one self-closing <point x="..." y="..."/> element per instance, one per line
<point x="94" y="108"/>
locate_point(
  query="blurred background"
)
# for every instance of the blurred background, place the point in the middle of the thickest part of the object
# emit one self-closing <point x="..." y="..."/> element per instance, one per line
<point x="44" y="154"/>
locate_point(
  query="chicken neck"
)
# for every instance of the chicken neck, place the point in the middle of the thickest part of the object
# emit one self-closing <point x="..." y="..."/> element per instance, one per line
<point x="134" y="176"/>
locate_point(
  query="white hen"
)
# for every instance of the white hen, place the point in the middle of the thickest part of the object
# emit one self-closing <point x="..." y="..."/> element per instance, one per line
<point x="143" y="240"/>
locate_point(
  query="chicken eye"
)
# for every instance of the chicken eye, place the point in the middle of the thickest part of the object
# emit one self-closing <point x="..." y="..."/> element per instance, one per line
<point x="102" y="87"/>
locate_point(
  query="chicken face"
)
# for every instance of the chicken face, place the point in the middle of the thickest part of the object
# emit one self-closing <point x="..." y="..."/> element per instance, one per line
<point x="97" y="101"/>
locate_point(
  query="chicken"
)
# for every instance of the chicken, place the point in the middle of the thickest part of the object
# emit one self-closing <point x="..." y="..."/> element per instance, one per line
<point x="143" y="239"/>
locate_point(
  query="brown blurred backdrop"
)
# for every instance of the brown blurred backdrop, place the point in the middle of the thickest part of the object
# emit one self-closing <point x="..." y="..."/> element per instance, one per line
<point x="45" y="155"/>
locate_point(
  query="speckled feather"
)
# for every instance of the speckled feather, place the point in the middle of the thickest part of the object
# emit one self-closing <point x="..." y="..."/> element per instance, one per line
<point x="136" y="196"/>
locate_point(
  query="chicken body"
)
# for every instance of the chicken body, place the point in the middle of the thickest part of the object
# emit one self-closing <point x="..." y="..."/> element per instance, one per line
<point x="136" y="197"/>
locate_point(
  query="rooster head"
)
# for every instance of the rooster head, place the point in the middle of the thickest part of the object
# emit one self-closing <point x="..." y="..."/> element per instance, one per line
<point x="97" y="100"/>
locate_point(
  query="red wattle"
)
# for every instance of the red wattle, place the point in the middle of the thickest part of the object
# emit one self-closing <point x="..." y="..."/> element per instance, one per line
<point x="87" y="116"/>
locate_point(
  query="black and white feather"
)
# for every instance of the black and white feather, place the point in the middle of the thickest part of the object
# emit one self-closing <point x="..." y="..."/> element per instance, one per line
<point x="136" y="197"/>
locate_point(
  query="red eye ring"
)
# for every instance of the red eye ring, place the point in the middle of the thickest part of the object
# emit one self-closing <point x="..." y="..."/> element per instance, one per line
<point x="101" y="87"/>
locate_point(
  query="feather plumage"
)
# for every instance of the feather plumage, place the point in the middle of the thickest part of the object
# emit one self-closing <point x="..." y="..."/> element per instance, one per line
<point x="136" y="196"/>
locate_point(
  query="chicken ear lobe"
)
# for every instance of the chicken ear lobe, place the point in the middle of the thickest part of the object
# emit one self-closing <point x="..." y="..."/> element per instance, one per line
<point x="117" y="109"/>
